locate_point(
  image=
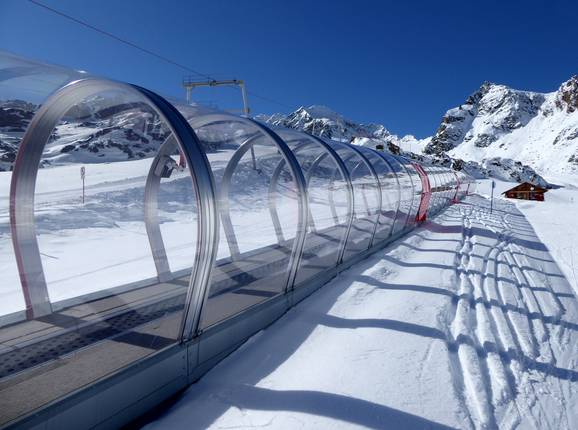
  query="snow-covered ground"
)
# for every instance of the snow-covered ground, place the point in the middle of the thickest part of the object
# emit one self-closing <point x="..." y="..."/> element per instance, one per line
<point x="467" y="322"/>
<point x="553" y="220"/>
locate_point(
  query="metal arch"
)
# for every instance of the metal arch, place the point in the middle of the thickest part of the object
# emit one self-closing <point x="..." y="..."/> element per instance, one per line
<point x="294" y="167"/>
<point x="441" y="186"/>
<point x="456" y="197"/>
<point x="23" y="185"/>
<point x="380" y="184"/>
<point x="379" y="196"/>
<point x="222" y="118"/>
<point x="303" y="200"/>
<point x="388" y="162"/>
<point x="401" y="162"/>
<point x="273" y="186"/>
<point x="411" y="179"/>
<point x="426" y="193"/>
<point x="308" y="175"/>
<point x="404" y="167"/>
<point x="223" y="199"/>
<point x="208" y="225"/>
<point x="415" y="180"/>
<point x="314" y="165"/>
<point x="151" y="218"/>
<point x="438" y="181"/>
<point x="341" y="167"/>
<point x="406" y="163"/>
<point x="433" y="180"/>
<point x="435" y="193"/>
<point x="350" y="194"/>
<point x="362" y="161"/>
<point x="357" y="165"/>
<point x="448" y="187"/>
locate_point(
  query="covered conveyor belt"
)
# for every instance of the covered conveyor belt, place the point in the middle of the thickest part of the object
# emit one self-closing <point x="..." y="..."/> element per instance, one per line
<point x="142" y="240"/>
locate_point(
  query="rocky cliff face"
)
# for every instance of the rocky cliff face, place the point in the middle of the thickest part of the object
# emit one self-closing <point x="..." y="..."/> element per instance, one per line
<point x="501" y="110"/>
<point x="567" y="95"/>
<point x="498" y="122"/>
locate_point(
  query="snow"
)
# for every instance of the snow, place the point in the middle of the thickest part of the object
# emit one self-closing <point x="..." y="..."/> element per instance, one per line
<point x="553" y="221"/>
<point x="466" y="322"/>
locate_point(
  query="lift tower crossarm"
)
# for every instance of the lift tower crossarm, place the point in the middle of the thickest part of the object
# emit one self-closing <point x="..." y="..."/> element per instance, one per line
<point x="189" y="84"/>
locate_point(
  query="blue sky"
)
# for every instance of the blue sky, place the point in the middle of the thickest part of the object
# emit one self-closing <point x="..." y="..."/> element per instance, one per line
<point x="402" y="64"/>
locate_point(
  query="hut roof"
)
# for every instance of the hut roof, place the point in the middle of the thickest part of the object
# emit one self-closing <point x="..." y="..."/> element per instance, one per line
<point x="527" y="186"/>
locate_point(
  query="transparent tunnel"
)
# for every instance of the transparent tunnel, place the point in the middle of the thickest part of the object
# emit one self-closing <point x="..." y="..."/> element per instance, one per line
<point x="131" y="226"/>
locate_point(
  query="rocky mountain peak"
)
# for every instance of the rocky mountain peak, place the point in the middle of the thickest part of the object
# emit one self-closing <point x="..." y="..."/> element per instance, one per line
<point x="567" y="95"/>
<point x="322" y="121"/>
<point x="475" y="97"/>
<point x="488" y="113"/>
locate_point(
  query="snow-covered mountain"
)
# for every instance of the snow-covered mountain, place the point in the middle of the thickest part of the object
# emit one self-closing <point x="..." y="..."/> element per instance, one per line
<point x="91" y="132"/>
<point x="14" y="118"/>
<point x="498" y="131"/>
<point x="500" y="123"/>
<point x="324" y="122"/>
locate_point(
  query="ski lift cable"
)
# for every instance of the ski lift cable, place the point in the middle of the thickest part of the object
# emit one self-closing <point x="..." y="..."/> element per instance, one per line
<point x="145" y="50"/>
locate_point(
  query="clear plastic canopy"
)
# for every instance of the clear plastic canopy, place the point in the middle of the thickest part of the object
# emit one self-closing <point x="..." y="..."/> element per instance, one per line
<point x="129" y="224"/>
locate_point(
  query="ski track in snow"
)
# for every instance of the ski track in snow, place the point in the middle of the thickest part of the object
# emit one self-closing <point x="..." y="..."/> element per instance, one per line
<point x="467" y="322"/>
<point x="505" y="322"/>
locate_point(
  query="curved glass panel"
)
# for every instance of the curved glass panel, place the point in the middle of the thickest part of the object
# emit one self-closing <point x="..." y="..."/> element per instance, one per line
<point x="328" y="193"/>
<point x="389" y="192"/>
<point x="417" y="190"/>
<point x="366" y="199"/>
<point x="438" y="189"/>
<point x="406" y="195"/>
<point x="27" y="83"/>
<point x="259" y="217"/>
<point x="433" y="203"/>
<point x="412" y="199"/>
<point x="24" y="86"/>
<point x="449" y="186"/>
<point x="464" y="182"/>
<point x="94" y="296"/>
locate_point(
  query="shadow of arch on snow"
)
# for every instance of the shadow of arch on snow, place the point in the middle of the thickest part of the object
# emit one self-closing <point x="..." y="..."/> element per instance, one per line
<point x="335" y="406"/>
<point x="452" y="345"/>
<point x="267" y="354"/>
<point x="483" y="232"/>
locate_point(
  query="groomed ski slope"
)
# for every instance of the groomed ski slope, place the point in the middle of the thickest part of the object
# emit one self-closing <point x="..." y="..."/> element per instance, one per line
<point x="467" y="322"/>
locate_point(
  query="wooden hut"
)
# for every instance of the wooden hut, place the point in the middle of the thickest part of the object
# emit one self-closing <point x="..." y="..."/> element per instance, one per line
<point x="526" y="191"/>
